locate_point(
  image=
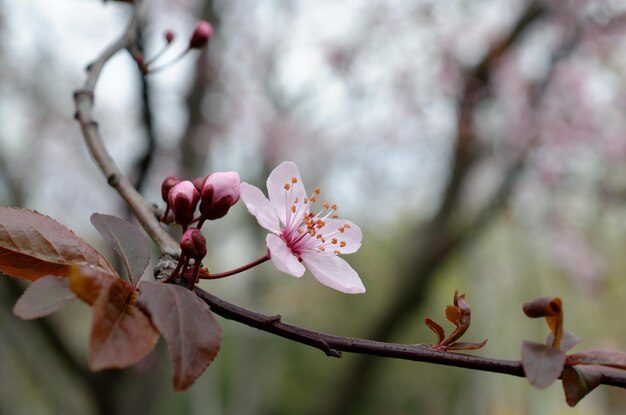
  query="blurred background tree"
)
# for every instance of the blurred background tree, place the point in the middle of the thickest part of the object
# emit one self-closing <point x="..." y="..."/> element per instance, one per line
<point x="480" y="145"/>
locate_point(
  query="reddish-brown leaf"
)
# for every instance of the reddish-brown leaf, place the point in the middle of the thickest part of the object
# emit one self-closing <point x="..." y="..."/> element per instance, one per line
<point x="460" y="315"/>
<point x="437" y="329"/>
<point x="190" y="330"/>
<point x="121" y="334"/>
<point x="127" y="240"/>
<point x="44" y="296"/>
<point x="542" y="307"/>
<point x="33" y="245"/>
<point x="598" y="357"/>
<point x="578" y="381"/>
<point x="568" y="341"/>
<point x="542" y="364"/>
<point x="466" y="345"/>
<point x="551" y="308"/>
<point x="87" y="282"/>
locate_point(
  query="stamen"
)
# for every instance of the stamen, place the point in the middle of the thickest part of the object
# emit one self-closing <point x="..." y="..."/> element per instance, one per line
<point x="347" y="225"/>
<point x="293" y="208"/>
<point x="342" y="244"/>
<point x="294" y="180"/>
<point x="334" y="240"/>
<point x="305" y="200"/>
<point x="334" y="207"/>
<point x="341" y="229"/>
<point x="321" y="248"/>
<point x="287" y="186"/>
<point x="297" y="200"/>
<point x="326" y="205"/>
<point x="313" y="199"/>
<point x="335" y="216"/>
<point x="317" y="191"/>
<point x="336" y="252"/>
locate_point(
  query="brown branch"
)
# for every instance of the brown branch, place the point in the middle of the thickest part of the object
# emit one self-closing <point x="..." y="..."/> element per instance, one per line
<point x="330" y="344"/>
<point x="333" y="345"/>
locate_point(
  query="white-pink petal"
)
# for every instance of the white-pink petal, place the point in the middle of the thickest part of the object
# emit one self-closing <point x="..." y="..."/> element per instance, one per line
<point x="260" y="207"/>
<point x="334" y="272"/>
<point x="280" y="198"/>
<point x="351" y="235"/>
<point x="282" y="257"/>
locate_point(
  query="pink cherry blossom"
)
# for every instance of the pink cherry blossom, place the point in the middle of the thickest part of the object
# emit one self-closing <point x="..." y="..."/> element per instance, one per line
<point x="302" y="236"/>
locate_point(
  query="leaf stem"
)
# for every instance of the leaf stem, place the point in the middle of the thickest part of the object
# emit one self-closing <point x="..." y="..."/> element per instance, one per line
<point x="243" y="268"/>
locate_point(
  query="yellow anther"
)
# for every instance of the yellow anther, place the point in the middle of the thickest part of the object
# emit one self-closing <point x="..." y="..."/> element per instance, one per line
<point x="347" y="225"/>
<point x="317" y="190"/>
<point x="336" y="252"/>
<point x="294" y="180"/>
<point x="313" y="199"/>
<point x="341" y="229"/>
<point x="321" y="248"/>
<point x="334" y="240"/>
<point x="326" y="205"/>
<point x="342" y="244"/>
<point x="334" y="207"/>
<point x="287" y="186"/>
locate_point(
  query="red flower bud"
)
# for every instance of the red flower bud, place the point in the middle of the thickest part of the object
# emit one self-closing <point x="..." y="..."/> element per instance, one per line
<point x="220" y="191"/>
<point x="166" y="186"/>
<point x="201" y="35"/>
<point x="183" y="199"/>
<point x="193" y="244"/>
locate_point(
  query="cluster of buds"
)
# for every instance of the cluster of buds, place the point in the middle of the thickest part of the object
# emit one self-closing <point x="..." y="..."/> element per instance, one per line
<point x="215" y="194"/>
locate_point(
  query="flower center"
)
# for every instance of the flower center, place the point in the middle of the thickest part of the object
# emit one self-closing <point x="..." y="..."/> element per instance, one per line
<point x="307" y="231"/>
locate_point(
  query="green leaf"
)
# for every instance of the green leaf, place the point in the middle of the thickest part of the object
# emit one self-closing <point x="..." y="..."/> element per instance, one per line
<point x="192" y="334"/>
<point x="127" y="240"/>
<point x="542" y="364"/>
<point x="33" y="245"/>
<point x="43" y="297"/>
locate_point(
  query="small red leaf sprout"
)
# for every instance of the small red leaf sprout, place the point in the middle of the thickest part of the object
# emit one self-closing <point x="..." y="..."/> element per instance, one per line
<point x="580" y="372"/>
<point x="458" y="314"/>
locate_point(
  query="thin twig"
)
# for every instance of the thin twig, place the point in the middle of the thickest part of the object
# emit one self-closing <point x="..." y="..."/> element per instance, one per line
<point x="84" y="99"/>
